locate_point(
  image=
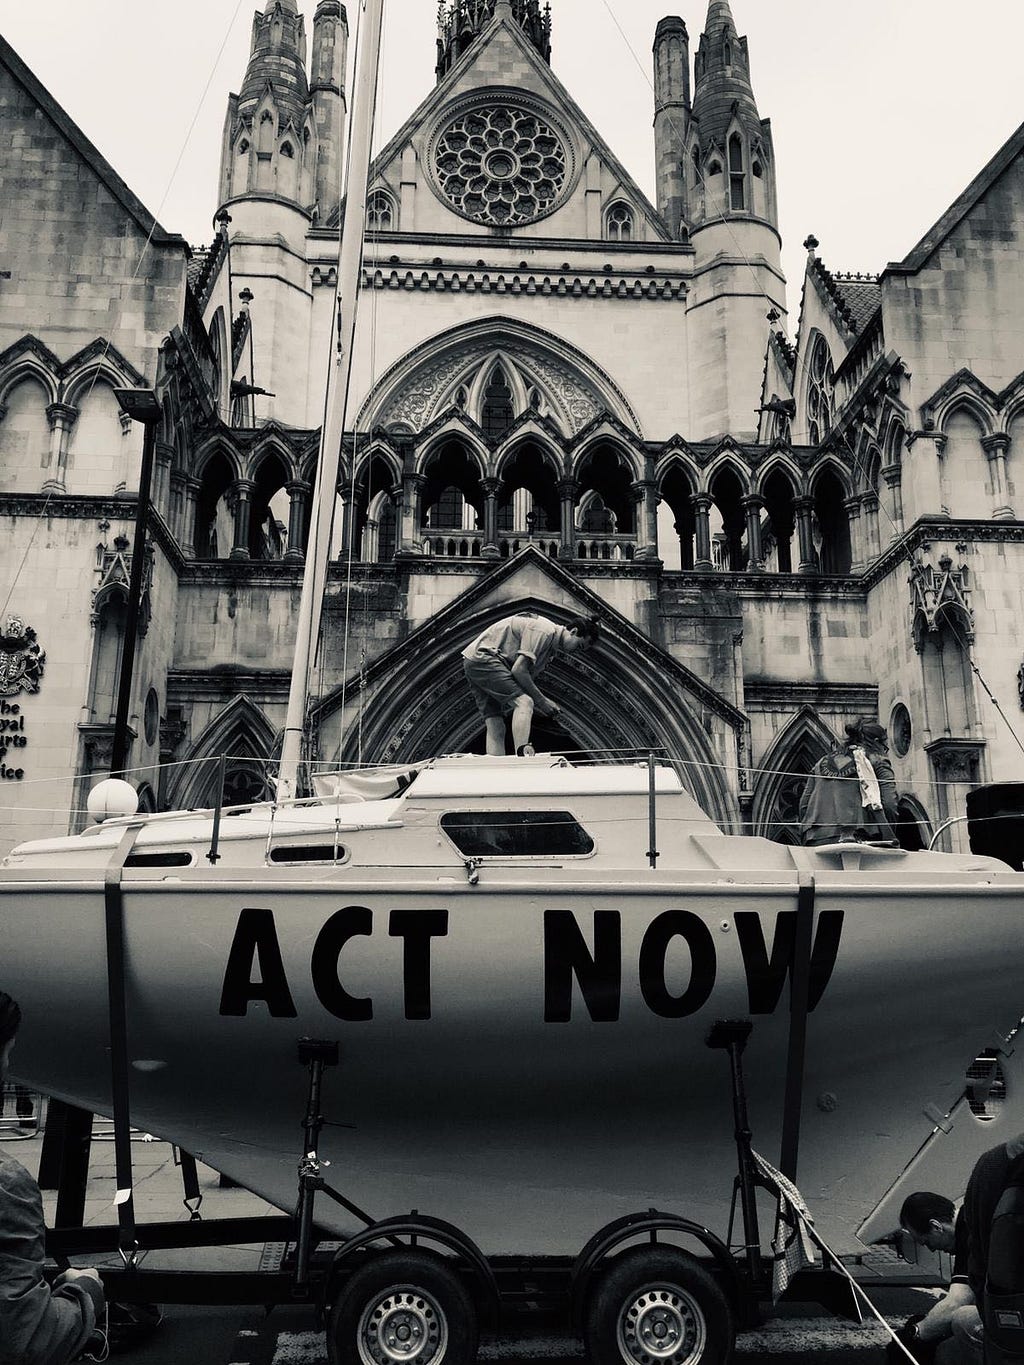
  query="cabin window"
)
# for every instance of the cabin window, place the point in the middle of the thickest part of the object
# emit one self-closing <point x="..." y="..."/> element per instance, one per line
<point x="169" y="858"/>
<point x="309" y="853"/>
<point x="517" y="834"/>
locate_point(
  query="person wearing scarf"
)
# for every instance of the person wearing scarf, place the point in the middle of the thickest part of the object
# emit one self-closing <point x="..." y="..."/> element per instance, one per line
<point x="39" y="1325"/>
<point x="851" y="795"/>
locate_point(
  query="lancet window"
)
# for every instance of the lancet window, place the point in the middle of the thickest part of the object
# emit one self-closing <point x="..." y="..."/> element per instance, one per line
<point x="821" y="400"/>
<point x="737" y="176"/>
<point x="620" y="223"/>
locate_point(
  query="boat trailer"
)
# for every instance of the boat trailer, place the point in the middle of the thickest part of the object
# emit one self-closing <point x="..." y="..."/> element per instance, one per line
<point x="415" y="1288"/>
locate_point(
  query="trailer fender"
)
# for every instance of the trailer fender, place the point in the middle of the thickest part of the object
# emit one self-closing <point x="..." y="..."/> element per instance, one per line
<point x="613" y="1235"/>
<point x="421" y="1226"/>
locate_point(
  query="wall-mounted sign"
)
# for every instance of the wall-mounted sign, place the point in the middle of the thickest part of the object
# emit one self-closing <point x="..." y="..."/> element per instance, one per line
<point x="21" y="668"/>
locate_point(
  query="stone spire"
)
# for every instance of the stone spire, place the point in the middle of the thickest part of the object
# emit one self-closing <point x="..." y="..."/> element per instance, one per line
<point x="278" y="59"/>
<point x="283" y="134"/>
<point x="459" y="22"/>
<point x="730" y="145"/>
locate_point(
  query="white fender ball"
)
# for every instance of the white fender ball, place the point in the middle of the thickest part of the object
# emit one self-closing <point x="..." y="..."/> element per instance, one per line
<point x="112" y="798"/>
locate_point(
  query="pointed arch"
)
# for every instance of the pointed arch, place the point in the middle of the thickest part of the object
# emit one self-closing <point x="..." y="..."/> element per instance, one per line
<point x="32" y="361"/>
<point x="830" y="490"/>
<point x="24" y="433"/>
<point x="678" y="481"/>
<point x="381" y="452"/>
<point x="458" y="430"/>
<point x="420" y="385"/>
<point x="242" y="732"/>
<point x="782" y="774"/>
<point x="615" y="698"/>
<point x="779" y="462"/>
<point x="726" y="460"/>
<point x="535" y="436"/>
<point x="778" y="487"/>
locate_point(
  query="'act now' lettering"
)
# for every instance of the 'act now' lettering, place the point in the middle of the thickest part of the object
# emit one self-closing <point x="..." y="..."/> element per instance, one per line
<point x="580" y="970"/>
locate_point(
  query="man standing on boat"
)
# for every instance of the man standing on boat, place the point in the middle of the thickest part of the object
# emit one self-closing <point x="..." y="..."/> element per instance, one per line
<point x="501" y="666"/>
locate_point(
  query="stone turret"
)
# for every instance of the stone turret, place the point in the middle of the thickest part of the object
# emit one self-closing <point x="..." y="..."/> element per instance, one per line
<point x="280" y="171"/>
<point x="732" y="217"/>
<point x="729" y="146"/>
<point x="671" y="118"/>
<point x="327" y="93"/>
<point x="459" y="22"/>
<point x="269" y="136"/>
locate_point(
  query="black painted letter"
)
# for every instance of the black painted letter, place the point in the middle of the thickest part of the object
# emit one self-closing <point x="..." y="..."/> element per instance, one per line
<point x="660" y="933"/>
<point x="566" y="955"/>
<point x="417" y="927"/>
<point x="766" y="975"/>
<point x="351" y="922"/>
<point x="256" y="937"/>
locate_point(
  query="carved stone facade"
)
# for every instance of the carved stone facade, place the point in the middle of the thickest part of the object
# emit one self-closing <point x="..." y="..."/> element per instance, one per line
<point x="560" y="401"/>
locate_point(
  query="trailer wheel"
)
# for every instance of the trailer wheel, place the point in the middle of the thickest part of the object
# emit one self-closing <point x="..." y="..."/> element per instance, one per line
<point x="403" y="1308"/>
<point x="657" y="1305"/>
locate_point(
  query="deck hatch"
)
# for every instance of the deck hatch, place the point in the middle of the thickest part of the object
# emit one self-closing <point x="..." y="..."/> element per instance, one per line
<point x="517" y="834"/>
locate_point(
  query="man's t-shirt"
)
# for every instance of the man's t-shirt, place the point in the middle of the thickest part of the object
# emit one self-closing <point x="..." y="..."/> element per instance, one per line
<point x="533" y="636"/>
<point x="987" y="1182"/>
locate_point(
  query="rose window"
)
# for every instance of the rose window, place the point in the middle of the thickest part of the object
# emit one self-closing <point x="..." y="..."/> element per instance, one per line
<point x="499" y="164"/>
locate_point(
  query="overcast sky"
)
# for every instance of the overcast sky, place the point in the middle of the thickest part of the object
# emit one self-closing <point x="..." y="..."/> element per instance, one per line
<point x="882" y="110"/>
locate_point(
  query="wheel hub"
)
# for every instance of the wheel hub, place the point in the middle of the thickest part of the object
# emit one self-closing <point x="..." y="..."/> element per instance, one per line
<point x="661" y="1325"/>
<point x="403" y="1326"/>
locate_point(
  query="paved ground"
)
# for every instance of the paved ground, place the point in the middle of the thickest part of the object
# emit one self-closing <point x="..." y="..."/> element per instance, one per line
<point x="245" y="1336"/>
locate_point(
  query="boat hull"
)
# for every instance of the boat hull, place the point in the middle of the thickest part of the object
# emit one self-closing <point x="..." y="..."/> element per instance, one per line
<point x="526" y="1061"/>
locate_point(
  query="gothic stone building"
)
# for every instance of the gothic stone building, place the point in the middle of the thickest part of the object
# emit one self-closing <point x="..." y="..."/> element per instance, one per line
<point x="564" y="398"/>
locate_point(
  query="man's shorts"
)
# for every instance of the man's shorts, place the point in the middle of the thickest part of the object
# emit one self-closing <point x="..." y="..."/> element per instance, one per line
<point x="494" y="689"/>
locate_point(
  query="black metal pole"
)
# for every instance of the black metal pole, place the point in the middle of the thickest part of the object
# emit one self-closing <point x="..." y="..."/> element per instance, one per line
<point x="119" y="755"/>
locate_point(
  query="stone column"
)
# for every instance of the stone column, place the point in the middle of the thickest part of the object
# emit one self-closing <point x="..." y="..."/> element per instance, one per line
<point x="346" y="492"/>
<point x="490" y="488"/>
<point x="176" y="504"/>
<point x="243" y="490"/>
<point x="298" y="495"/>
<point x="858" y="555"/>
<point x="568" y="491"/>
<point x="62" y="418"/>
<point x="893" y="476"/>
<point x="163" y="455"/>
<point x="702" y="504"/>
<point x="924" y="449"/>
<point x="188" y="517"/>
<point x="645" y="499"/>
<point x="753" y="506"/>
<point x="804" y="508"/>
<point x="408" y="539"/>
<point x="997" y="447"/>
<point x="872" y="543"/>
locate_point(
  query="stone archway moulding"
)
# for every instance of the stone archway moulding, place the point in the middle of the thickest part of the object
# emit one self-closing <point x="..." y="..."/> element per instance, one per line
<point x="413" y="391"/>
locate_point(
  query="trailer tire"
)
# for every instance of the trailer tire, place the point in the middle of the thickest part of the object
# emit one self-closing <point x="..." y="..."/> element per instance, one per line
<point x="657" y="1305"/>
<point x="404" y="1307"/>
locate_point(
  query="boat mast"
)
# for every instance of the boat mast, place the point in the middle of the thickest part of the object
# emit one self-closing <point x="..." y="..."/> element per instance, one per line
<point x="350" y="247"/>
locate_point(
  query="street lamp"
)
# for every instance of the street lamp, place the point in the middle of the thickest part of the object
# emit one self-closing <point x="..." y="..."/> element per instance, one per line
<point x="141" y="405"/>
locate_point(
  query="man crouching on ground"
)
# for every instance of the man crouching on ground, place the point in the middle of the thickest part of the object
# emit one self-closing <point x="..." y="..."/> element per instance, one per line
<point x="38" y="1325"/>
<point x="502" y="663"/>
